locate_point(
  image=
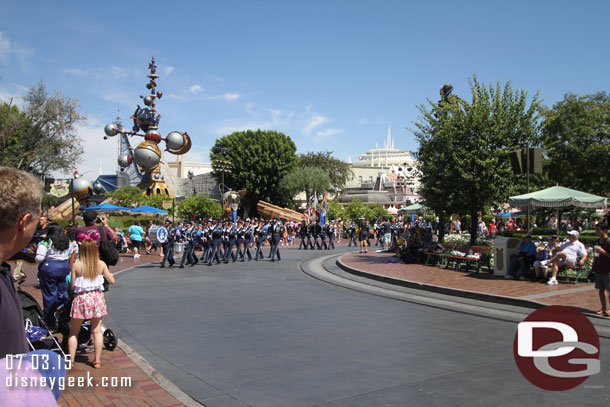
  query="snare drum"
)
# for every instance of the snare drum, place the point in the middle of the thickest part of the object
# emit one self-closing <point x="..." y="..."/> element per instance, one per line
<point x="178" y="247"/>
<point x="157" y="234"/>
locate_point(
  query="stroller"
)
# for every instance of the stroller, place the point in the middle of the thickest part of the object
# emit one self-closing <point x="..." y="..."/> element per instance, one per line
<point x="37" y="333"/>
<point x="84" y="335"/>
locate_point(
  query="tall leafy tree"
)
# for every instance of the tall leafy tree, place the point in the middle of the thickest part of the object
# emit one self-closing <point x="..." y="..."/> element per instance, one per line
<point x="464" y="147"/>
<point x="259" y="159"/>
<point x="576" y="136"/>
<point x="338" y="171"/>
<point x="308" y="180"/>
<point x="43" y="137"/>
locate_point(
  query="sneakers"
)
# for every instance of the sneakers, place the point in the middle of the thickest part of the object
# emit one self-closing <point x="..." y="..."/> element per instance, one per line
<point x="552" y="281"/>
<point x="522" y="278"/>
<point x="136" y="256"/>
<point x="509" y="277"/>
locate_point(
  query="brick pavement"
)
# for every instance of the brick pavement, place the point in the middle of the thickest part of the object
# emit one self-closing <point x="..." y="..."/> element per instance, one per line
<point x="142" y="389"/>
<point x="582" y="295"/>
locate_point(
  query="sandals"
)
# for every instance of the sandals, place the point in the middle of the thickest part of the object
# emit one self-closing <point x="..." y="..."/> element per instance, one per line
<point x="96" y="365"/>
<point x="604" y="313"/>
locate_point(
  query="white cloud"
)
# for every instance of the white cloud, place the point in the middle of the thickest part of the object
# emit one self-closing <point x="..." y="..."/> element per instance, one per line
<point x="196" y="89"/>
<point x="9" y="48"/>
<point x="112" y="72"/>
<point x="326" y="136"/>
<point x="315" y="121"/>
<point x="168" y="70"/>
<point x="227" y="96"/>
<point x="13" y="93"/>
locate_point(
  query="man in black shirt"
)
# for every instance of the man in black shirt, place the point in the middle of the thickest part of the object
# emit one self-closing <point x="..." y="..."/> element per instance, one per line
<point x="19" y="213"/>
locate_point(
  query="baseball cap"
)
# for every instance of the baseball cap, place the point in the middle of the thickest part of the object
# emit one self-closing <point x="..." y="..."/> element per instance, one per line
<point x="552" y="237"/>
<point x="574" y="233"/>
<point x="528" y="235"/>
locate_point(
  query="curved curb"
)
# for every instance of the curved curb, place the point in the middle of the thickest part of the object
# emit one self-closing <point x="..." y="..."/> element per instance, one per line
<point x="475" y="295"/>
<point x="150" y="371"/>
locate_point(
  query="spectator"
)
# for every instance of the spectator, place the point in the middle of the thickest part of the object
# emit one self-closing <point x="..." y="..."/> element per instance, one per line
<point x="527" y="255"/>
<point x="87" y="282"/>
<point x="55" y="254"/>
<point x="569" y="254"/>
<point x="93" y="223"/>
<point x="19" y="212"/>
<point x="136" y="235"/>
<point x="601" y="266"/>
<point x="544" y="253"/>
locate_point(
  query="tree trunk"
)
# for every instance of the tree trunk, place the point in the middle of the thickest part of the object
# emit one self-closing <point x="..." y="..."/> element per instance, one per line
<point x="441" y="227"/>
<point x="474" y="226"/>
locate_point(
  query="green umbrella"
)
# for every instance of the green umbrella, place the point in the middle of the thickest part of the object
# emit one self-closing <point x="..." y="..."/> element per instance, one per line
<point x="415" y="208"/>
<point x="558" y="197"/>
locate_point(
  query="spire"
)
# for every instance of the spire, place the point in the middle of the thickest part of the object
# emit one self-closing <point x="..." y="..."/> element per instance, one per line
<point x="389" y="141"/>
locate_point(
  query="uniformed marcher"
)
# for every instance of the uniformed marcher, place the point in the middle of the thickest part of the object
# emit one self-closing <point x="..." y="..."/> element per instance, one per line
<point x="317" y="234"/>
<point x="216" y="242"/>
<point x="260" y="238"/>
<point x="303" y="235"/>
<point x="352" y="235"/>
<point x="231" y="238"/>
<point x="324" y="235"/>
<point x="239" y="241"/>
<point x="168" y="245"/>
<point x="189" y="244"/>
<point x="277" y="232"/>
<point x="330" y="230"/>
<point x="310" y="241"/>
<point x="248" y="238"/>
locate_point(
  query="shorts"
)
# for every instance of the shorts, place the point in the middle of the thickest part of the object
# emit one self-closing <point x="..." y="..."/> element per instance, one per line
<point x="387" y="237"/>
<point x="87" y="305"/>
<point x="602" y="281"/>
<point x="569" y="261"/>
<point x="137" y="244"/>
<point x="537" y="264"/>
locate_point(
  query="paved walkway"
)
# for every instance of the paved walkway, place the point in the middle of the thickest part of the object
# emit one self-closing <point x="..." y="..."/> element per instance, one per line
<point x="468" y="283"/>
<point x="120" y="363"/>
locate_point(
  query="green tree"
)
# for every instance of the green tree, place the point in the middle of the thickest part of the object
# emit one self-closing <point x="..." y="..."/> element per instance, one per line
<point x="308" y="180"/>
<point x="199" y="205"/>
<point x="338" y="171"/>
<point x="576" y="137"/>
<point x="376" y="212"/>
<point x="260" y="159"/>
<point x="335" y="210"/>
<point x="464" y="147"/>
<point x="43" y="137"/>
<point x="356" y="209"/>
<point x="129" y="196"/>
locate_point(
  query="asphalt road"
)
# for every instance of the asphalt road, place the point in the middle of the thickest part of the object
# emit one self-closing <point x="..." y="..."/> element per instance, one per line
<point x="266" y="334"/>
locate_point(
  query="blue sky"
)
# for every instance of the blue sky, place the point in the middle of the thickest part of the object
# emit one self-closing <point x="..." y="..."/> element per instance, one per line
<point x="330" y="74"/>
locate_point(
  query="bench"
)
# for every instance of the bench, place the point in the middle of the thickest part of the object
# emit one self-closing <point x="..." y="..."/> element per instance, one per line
<point x="484" y="258"/>
<point x="577" y="271"/>
<point x="436" y="257"/>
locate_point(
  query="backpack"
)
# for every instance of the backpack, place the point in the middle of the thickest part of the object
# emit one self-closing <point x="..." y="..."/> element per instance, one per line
<point x="108" y="251"/>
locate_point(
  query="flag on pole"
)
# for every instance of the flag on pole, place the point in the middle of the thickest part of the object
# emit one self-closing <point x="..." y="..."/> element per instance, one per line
<point x="315" y="205"/>
<point x="323" y="213"/>
<point x="308" y="210"/>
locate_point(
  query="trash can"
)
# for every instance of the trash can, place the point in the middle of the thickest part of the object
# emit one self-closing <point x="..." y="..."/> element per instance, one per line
<point x="505" y="249"/>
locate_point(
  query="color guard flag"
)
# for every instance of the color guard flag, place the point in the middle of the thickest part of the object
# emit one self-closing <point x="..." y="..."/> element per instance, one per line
<point x="323" y="214"/>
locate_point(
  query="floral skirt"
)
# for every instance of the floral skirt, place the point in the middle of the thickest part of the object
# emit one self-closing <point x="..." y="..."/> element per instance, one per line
<point x="88" y="305"/>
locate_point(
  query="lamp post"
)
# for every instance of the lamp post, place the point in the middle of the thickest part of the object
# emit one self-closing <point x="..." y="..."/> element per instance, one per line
<point x="191" y="175"/>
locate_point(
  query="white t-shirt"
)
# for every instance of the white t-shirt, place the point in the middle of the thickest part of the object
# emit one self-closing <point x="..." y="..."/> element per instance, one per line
<point x="573" y="250"/>
<point x="46" y="251"/>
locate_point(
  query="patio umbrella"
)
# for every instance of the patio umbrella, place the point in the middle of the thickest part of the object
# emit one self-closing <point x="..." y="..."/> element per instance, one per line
<point x="558" y="197"/>
<point x="149" y="210"/>
<point x="108" y="208"/>
<point x="415" y="208"/>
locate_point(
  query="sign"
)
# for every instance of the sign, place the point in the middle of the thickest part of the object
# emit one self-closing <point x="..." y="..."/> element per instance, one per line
<point x="166" y="204"/>
<point x="556" y="348"/>
<point x="60" y="189"/>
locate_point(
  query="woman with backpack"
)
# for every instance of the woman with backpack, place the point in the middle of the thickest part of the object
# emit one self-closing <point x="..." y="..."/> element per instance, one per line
<point x="55" y="254"/>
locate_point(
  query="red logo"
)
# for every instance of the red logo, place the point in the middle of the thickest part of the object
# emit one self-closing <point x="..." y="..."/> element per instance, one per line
<point x="556" y="348"/>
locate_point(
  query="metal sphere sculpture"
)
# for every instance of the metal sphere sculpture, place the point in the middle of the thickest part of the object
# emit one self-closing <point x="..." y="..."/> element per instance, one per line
<point x="82" y="187"/>
<point x="147" y="154"/>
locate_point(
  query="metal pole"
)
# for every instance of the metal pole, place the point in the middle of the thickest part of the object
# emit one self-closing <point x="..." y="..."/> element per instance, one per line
<point x="527" y="155"/>
<point x="72" y="189"/>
